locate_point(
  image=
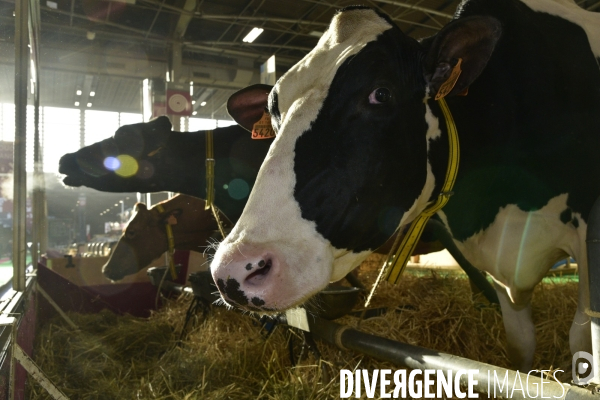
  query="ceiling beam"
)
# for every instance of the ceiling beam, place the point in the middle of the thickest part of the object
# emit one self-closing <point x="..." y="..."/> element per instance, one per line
<point x="254" y="44"/>
<point x="185" y="19"/>
<point x="86" y="18"/>
<point x="417" y="8"/>
<point x="594" y="6"/>
<point x="395" y="3"/>
<point x="262" y="18"/>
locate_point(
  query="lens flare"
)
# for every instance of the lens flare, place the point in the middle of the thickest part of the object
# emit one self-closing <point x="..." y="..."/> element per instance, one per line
<point x="145" y="170"/>
<point x="112" y="163"/>
<point x="238" y="189"/>
<point x="129" y="166"/>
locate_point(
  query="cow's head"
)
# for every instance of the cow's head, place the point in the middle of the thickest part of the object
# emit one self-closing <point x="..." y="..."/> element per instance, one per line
<point x="357" y="133"/>
<point x="143" y="240"/>
<point x="130" y="157"/>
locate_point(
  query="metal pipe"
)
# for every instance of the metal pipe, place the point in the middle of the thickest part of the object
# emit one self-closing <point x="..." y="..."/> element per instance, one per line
<point x="20" y="176"/>
<point x="593" y="251"/>
<point x="414" y="357"/>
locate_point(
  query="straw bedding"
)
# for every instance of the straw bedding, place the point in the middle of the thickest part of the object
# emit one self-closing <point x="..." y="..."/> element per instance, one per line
<point x="227" y="355"/>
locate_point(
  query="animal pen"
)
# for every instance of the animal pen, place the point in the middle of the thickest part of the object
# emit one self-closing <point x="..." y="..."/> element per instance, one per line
<point x="66" y="332"/>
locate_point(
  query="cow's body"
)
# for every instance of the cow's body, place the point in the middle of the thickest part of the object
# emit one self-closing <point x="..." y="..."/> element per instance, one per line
<point x="171" y="161"/>
<point x="348" y="154"/>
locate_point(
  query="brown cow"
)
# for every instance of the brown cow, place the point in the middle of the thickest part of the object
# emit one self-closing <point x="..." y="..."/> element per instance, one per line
<point x="145" y="238"/>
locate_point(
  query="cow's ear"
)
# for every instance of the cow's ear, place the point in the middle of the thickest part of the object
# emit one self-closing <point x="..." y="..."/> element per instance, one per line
<point x="162" y="122"/>
<point x="248" y="105"/>
<point x="140" y="207"/>
<point x="468" y="41"/>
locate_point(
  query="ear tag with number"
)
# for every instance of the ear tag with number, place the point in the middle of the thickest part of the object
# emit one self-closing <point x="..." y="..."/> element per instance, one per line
<point x="447" y="86"/>
<point x="172" y="220"/>
<point x="263" y="128"/>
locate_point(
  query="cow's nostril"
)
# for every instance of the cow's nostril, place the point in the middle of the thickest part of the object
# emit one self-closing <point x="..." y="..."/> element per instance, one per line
<point x="263" y="269"/>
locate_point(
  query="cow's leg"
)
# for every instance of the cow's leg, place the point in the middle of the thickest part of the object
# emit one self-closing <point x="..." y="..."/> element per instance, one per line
<point x="520" y="330"/>
<point x="580" y="334"/>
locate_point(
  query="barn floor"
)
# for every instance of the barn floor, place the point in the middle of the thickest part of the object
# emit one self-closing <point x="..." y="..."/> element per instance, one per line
<point x="226" y="355"/>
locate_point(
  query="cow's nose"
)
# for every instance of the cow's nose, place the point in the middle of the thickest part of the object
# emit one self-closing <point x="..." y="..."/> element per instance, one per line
<point x="248" y="276"/>
<point x="67" y="164"/>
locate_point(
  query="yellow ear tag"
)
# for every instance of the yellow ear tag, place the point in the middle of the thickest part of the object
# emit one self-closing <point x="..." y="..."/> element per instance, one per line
<point x="447" y="86"/>
<point x="263" y="128"/>
<point x="172" y="220"/>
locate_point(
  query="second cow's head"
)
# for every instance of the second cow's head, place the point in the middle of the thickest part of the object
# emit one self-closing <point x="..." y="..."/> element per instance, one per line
<point x="353" y="156"/>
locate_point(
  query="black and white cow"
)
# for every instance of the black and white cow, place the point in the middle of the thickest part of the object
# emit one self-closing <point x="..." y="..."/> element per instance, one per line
<point x="360" y="138"/>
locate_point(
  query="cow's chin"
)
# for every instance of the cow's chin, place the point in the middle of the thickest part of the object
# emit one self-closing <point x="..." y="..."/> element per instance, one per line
<point x="269" y="278"/>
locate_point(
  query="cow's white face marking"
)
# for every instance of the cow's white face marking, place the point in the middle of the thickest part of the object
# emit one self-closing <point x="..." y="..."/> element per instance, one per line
<point x="272" y="217"/>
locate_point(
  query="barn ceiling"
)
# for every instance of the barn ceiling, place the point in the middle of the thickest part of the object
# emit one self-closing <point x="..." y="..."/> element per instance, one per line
<point x="110" y="46"/>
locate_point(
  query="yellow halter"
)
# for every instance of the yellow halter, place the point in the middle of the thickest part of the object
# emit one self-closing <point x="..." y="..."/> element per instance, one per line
<point x="171" y="243"/>
<point x="210" y="181"/>
<point x="401" y="251"/>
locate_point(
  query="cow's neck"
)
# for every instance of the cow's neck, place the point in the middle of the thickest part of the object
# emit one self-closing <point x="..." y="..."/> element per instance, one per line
<point x="502" y="119"/>
<point x="182" y="162"/>
<point x="237" y="160"/>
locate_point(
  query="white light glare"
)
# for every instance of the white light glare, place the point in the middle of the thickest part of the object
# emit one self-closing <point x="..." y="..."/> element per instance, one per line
<point x="89" y="104"/>
<point x="202" y="104"/>
<point x="92" y="94"/>
<point x="76" y="104"/>
<point x="78" y="92"/>
<point x="250" y="37"/>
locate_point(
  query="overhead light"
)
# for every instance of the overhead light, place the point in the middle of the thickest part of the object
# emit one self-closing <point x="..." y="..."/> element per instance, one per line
<point x="92" y="94"/>
<point x="78" y="92"/>
<point x="202" y="104"/>
<point x="316" y="33"/>
<point x="193" y="102"/>
<point x="195" y="112"/>
<point x="89" y="104"/>
<point x="52" y="4"/>
<point x="253" y="35"/>
<point x="76" y="104"/>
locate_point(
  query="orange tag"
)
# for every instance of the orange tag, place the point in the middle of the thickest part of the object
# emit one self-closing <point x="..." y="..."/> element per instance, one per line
<point x="172" y="220"/>
<point x="450" y="82"/>
<point x="263" y="128"/>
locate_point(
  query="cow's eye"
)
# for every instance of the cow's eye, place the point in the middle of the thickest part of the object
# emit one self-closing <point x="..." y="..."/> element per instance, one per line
<point x="129" y="233"/>
<point x="380" y="95"/>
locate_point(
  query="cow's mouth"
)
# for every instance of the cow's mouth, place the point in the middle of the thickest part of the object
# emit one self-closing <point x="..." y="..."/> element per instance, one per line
<point x="72" y="181"/>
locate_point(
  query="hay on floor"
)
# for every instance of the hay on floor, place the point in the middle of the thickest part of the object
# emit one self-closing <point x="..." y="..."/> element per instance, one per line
<point x="228" y="355"/>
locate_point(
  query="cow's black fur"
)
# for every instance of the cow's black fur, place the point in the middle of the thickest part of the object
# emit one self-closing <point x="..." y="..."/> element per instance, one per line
<point x="179" y="165"/>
